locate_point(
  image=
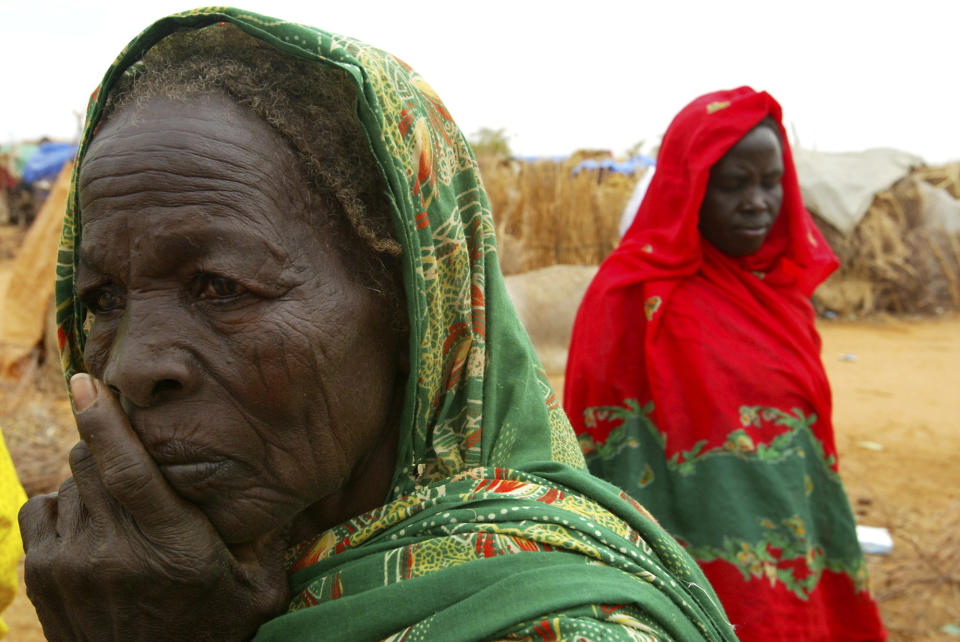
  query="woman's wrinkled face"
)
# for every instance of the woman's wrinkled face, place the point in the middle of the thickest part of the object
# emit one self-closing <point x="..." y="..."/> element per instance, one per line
<point x="260" y="376"/>
<point x="744" y="194"/>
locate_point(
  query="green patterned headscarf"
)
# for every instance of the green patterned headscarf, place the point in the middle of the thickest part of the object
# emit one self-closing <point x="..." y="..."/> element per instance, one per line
<point x="492" y="527"/>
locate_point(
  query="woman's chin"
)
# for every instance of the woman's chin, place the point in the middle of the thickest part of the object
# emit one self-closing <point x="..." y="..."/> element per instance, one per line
<point x="744" y="242"/>
<point x="238" y="517"/>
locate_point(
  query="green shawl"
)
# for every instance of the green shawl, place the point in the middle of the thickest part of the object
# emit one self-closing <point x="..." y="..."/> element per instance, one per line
<point x="492" y="528"/>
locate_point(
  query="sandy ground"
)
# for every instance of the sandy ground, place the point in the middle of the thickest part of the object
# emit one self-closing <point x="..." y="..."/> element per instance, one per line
<point x="896" y="407"/>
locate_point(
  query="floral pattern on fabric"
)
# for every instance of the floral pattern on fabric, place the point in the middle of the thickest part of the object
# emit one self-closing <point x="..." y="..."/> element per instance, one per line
<point x="486" y="513"/>
<point x="788" y="548"/>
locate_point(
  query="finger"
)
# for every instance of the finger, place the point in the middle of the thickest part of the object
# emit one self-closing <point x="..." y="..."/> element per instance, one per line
<point x="71" y="513"/>
<point x="86" y="476"/>
<point x="38" y="519"/>
<point x="46" y="598"/>
<point x="127" y="471"/>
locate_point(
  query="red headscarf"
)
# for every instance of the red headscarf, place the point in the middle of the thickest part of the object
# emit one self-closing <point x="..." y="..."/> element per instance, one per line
<point x="732" y="319"/>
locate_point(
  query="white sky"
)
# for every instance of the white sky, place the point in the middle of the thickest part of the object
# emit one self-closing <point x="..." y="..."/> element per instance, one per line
<point x="561" y="75"/>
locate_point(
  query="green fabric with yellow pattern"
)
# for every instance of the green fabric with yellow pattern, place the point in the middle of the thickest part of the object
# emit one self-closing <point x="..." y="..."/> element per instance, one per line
<point x="492" y="528"/>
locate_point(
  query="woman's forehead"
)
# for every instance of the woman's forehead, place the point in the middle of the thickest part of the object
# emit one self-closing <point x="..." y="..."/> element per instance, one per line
<point x="202" y="156"/>
<point x="222" y="126"/>
<point x="758" y="146"/>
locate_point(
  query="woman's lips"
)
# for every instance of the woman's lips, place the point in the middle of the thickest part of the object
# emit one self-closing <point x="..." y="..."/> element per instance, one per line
<point x="192" y="475"/>
<point x="753" y="232"/>
<point x="189" y="467"/>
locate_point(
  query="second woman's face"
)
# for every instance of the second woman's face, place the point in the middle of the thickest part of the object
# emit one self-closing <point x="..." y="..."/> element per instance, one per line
<point x="744" y="195"/>
<point x="260" y="376"/>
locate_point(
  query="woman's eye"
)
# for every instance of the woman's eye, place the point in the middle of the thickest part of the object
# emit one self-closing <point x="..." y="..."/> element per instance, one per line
<point x="104" y="299"/>
<point x="731" y="183"/>
<point x="219" y="287"/>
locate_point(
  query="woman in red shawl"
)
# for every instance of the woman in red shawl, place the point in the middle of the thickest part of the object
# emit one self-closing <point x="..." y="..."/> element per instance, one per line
<point x="695" y="382"/>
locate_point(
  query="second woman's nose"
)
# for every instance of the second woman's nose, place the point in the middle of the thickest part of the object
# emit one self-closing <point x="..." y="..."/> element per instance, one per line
<point x="754" y="199"/>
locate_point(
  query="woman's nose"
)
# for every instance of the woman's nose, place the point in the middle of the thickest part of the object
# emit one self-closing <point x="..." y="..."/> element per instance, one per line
<point x="147" y="364"/>
<point x="754" y="199"/>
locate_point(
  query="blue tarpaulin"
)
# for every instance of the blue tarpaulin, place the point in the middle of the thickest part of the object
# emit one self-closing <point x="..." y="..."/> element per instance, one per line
<point x="45" y="163"/>
<point x="640" y="161"/>
<point x="536" y="159"/>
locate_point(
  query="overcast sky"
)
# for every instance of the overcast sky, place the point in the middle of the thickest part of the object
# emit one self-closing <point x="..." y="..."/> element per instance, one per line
<point x="563" y="75"/>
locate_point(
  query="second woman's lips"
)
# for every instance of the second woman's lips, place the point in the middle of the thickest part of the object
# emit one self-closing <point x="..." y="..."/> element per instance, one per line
<point x="753" y="231"/>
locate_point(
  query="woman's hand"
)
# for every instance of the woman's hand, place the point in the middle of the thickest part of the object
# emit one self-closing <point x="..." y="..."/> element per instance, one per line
<point x="118" y="555"/>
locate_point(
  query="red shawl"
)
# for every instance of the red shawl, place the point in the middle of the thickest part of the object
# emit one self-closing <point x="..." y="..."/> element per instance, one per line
<point x="617" y="350"/>
<point x="712" y="340"/>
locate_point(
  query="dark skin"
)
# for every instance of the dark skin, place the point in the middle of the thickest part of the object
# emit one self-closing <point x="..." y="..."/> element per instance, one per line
<point x="744" y="194"/>
<point x="244" y="388"/>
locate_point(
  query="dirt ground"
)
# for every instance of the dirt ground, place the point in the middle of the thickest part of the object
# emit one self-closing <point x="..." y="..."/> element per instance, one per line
<point x="896" y="411"/>
<point x="896" y="393"/>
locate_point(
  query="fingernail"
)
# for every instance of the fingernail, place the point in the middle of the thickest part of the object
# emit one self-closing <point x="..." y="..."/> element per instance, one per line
<point x="83" y="390"/>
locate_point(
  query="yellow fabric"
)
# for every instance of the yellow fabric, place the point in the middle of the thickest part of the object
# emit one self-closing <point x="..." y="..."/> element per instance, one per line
<point x="12" y="498"/>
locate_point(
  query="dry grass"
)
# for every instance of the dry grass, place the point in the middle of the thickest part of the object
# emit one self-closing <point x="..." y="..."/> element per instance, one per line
<point x="927" y="573"/>
<point x="546" y="216"/>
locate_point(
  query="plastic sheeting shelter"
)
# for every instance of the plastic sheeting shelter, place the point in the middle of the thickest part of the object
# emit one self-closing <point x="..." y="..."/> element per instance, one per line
<point x="839" y="187"/>
<point x="46" y="161"/>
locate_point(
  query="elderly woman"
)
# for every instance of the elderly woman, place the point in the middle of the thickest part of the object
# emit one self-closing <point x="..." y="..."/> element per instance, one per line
<point x="695" y="381"/>
<point x="307" y="407"/>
